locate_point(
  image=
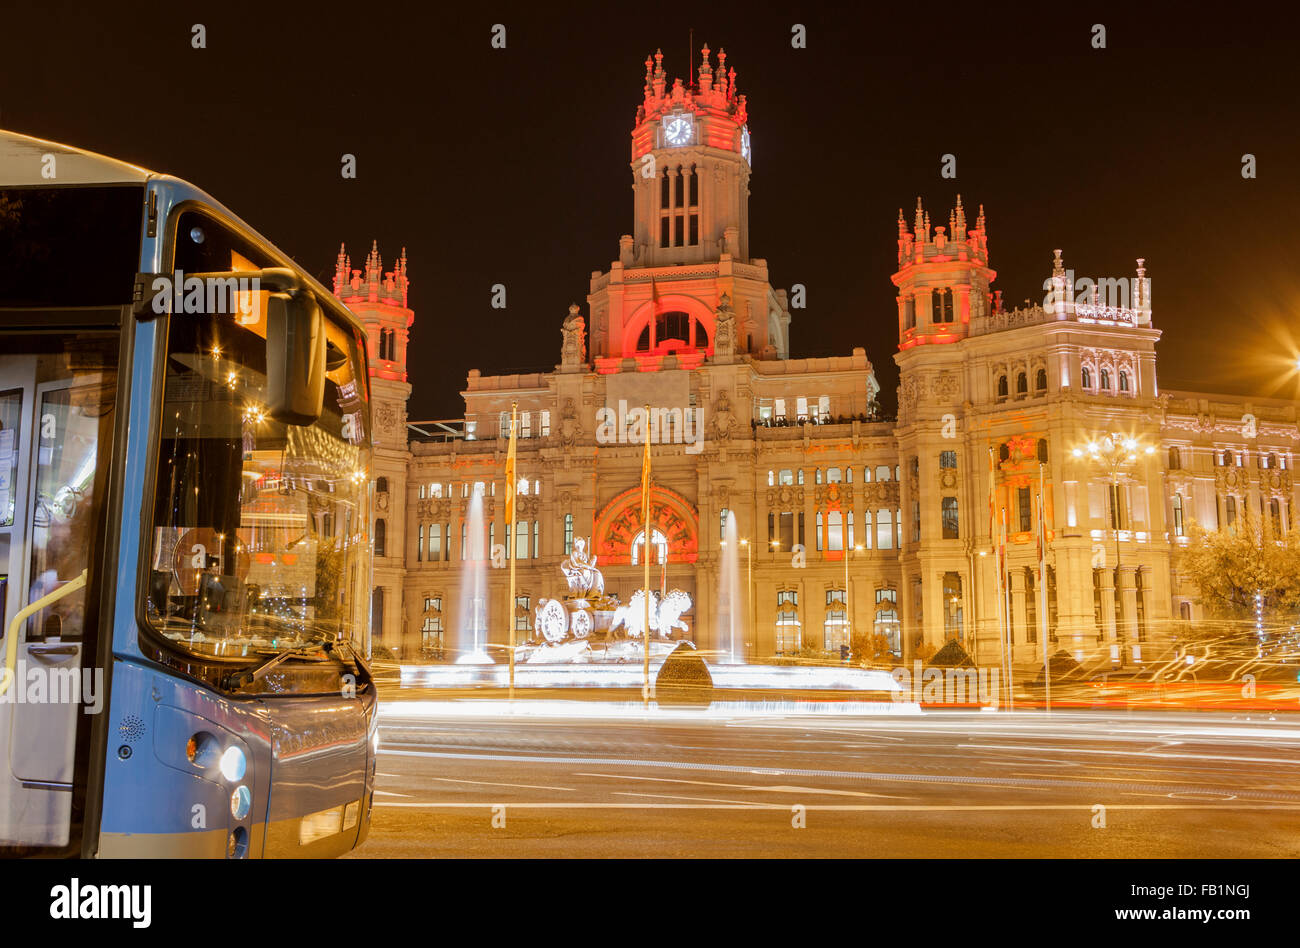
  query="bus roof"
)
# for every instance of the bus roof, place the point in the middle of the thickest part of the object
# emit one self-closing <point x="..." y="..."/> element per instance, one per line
<point x="22" y="159"/>
<point x="23" y="163"/>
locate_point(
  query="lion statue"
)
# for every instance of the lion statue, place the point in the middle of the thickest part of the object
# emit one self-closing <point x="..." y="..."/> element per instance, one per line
<point x="665" y="614"/>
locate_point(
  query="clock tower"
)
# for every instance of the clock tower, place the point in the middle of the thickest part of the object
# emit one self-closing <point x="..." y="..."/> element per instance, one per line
<point x="690" y="167"/>
<point x="684" y="283"/>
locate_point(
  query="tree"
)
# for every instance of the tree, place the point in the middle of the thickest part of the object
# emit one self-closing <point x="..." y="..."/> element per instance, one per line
<point x="1232" y="565"/>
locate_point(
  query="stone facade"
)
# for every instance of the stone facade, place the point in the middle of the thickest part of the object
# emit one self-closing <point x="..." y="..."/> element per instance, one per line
<point x="992" y="402"/>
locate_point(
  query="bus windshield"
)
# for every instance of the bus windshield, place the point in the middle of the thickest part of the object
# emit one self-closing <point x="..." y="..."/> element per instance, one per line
<point x="260" y="537"/>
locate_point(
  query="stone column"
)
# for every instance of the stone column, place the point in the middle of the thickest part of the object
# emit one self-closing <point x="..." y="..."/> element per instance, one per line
<point x="1018" y="617"/>
<point x="1127" y="625"/>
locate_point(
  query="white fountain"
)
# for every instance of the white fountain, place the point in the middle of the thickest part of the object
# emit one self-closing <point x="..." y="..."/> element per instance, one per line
<point x="731" y="617"/>
<point x="471" y="634"/>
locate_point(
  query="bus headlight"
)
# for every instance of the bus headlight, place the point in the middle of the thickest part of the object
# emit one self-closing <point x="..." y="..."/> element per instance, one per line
<point x="233" y="764"/>
<point x="241" y="801"/>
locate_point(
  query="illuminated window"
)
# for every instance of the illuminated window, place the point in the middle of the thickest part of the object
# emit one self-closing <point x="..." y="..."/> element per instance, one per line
<point x="948" y="459"/>
<point x="660" y="543"/>
<point x="951" y="522"/>
<point x="836" y="628"/>
<point x="1002" y="386"/>
<point x="884" y="530"/>
<point x="431" y="629"/>
<point x="568" y="534"/>
<point x="835" y="531"/>
<point x="1086" y="377"/>
<point x="1178" y="515"/>
<point x="787" y="622"/>
<point x="1040" y="381"/>
<point x="381" y="536"/>
<point x="523" y="615"/>
<point x="833" y="475"/>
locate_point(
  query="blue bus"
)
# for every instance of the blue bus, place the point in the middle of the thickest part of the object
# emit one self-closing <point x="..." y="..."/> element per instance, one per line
<point x="185" y="550"/>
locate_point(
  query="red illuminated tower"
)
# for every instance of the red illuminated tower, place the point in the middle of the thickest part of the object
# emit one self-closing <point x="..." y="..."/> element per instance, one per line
<point x="943" y="277"/>
<point x="380" y="301"/>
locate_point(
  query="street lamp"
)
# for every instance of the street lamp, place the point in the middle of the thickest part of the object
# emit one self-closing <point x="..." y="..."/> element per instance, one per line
<point x="1113" y="453"/>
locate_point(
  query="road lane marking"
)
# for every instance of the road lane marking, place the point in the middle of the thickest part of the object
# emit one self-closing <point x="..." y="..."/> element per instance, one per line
<point x="745" y="786"/>
<point x="1134" y="753"/>
<point x="844" y="807"/>
<point x="797" y="772"/>
<point x="489" y="783"/>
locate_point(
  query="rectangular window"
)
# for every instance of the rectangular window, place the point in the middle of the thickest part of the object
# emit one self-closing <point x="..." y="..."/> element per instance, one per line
<point x="545" y="424"/>
<point x="526" y="424"/>
<point x="824" y="408"/>
<point x="435" y="542"/>
<point x="464" y="541"/>
<point x="778" y="408"/>
<point x="568" y="534"/>
<point x="948" y="459"/>
<point x="801" y="407"/>
<point x="537" y="539"/>
<point x="521" y="540"/>
<point x="820" y="532"/>
<point x="1025" y="508"/>
<point x="835" y="531"/>
<point x="419" y="545"/>
<point x="787" y="530"/>
<point x="951" y="526"/>
<point x="787" y="622"/>
<point x="884" y="530"/>
<point x="523" y="615"/>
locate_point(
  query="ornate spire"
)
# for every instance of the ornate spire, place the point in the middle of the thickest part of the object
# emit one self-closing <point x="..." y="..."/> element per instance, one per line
<point x="919" y="220"/>
<point x="959" y="233"/>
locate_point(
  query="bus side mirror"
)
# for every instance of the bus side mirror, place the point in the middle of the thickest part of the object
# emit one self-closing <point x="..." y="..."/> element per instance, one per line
<point x="295" y="357"/>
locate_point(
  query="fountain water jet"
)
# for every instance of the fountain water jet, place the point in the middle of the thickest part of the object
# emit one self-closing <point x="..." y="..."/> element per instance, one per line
<point x="471" y="634"/>
<point x="731" y="617"/>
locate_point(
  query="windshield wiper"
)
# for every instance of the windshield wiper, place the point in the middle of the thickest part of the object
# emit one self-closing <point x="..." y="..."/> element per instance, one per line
<point x="236" y="681"/>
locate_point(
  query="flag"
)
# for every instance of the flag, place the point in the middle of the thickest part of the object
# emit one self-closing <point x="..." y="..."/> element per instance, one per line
<point x="511" y="478"/>
<point x="645" y="486"/>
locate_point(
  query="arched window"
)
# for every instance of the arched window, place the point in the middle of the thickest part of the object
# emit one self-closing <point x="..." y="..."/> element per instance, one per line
<point x="941" y="306"/>
<point x="1105" y="380"/>
<point x="1087" y="377"/>
<point x="1022" y="384"/>
<point x="381" y="536"/>
<point x="771" y="478"/>
<point x="381" y="485"/>
<point x="799" y="476"/>
<point x="817" y="476"/>
<point x="1002" y="386"/>
<point x="1123" y="381"/>
<point x="672" y="331"/>
<point x="1040" y="381"/>
<point x="1042" y="450"/>
<point x="661" y="547"/>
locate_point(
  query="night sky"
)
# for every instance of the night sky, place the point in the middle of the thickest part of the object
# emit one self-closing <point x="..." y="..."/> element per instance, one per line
<point x="511" y="166"/>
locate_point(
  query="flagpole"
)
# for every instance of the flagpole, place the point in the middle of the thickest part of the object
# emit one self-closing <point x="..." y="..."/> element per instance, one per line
<point x="649" y="544"/>
<point x="1042" y="585"/>
<point x="1011" y="644"/>
<point x="512" y="529"/>
<point x="995" y="549"/>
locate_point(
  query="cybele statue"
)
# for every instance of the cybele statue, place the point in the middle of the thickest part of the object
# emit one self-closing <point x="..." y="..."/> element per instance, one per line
<point x="588" y="625"/>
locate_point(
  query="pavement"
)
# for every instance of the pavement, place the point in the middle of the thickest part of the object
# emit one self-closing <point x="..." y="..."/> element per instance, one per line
<point x="548" y="778"/>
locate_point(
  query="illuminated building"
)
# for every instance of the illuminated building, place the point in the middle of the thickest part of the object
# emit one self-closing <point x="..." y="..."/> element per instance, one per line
<point x="687" y="321"/>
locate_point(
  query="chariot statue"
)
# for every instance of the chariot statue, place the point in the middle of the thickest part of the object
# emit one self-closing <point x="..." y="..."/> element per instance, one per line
<point x="579" y="568"/>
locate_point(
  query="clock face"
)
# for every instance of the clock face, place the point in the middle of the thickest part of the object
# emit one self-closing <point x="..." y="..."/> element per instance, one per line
<point x="677" y="130"/>
<point x="744" y="145"/>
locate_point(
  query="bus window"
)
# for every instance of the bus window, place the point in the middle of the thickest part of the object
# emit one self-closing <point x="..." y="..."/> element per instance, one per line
<point x="260" y="528"/>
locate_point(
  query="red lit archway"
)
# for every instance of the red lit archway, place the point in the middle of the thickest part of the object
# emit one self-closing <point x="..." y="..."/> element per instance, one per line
<point x="644" y="316"/>
<point x="670" y="513"/>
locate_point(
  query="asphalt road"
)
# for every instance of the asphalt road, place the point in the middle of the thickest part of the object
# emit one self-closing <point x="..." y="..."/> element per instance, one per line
<point x="547" y="779"/>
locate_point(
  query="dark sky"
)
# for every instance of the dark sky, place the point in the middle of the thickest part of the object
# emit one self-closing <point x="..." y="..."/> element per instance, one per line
<point x="510" y="166"/>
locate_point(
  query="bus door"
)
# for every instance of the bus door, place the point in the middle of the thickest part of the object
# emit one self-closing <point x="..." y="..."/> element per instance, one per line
<point x="56" y="401"/>
<point x="62" y="446"/>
